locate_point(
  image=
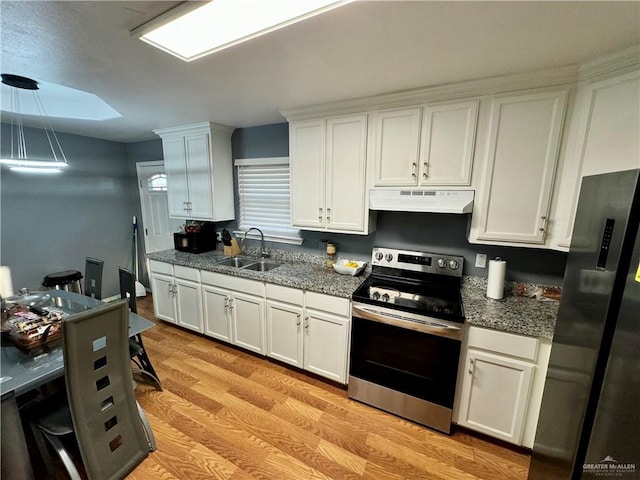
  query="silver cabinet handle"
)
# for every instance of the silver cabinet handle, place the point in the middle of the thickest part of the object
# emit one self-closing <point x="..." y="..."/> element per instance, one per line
<point x="425" y="170"/>
<point x="543" y="224"/>
<point x="471" y="366"/>
<point x="226" y="303"/>
<point x="328" y="214"/>
<point x="306" y="323"/>
<point x="320" y="213"/>
<point x="298" y="320"/>
<point x="231" y="304"/>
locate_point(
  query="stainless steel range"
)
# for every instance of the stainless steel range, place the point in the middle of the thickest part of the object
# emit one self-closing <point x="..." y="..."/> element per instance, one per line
<point x="407" y="321"/>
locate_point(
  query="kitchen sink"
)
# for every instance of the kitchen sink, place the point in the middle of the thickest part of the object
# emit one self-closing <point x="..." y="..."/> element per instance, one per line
<point x="237" y="262"/>
<point x="262" y="266"/>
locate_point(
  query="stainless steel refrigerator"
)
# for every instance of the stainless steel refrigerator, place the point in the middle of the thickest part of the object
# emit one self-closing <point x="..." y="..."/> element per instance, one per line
<point x="589" y="425"/>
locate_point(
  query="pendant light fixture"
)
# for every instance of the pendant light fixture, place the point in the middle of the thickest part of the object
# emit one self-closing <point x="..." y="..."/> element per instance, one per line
<point x="20" y="159"/>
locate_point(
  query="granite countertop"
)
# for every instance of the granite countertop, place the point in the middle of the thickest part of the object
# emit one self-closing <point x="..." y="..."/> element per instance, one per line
<point x="298" y="270"/>
<point x="514" y="314"/>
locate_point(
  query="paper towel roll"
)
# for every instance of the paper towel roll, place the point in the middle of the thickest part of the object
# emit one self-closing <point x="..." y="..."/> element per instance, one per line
<point x="495" y="279"/>
<point x="6" y="285"/>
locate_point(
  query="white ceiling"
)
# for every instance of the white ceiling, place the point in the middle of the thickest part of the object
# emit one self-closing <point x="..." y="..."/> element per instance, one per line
<point x="365" y="48"/>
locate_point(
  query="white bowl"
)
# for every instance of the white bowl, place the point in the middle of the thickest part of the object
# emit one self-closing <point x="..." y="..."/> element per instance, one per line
<point x="340" y="267"/>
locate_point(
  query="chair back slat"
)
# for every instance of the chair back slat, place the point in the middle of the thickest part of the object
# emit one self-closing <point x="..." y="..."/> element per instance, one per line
<point x="128" y="287"/>
<point x="93" y="277"/>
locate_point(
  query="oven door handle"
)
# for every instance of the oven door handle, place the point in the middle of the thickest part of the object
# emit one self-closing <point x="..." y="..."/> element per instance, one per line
<point x="442" y="331"/>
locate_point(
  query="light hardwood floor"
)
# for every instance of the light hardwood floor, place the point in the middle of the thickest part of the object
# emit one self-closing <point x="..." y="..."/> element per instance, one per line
<point x="227" y="414"/>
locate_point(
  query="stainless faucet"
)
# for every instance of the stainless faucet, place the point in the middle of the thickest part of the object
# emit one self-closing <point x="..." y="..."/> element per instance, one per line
<point x="263" y="251"/>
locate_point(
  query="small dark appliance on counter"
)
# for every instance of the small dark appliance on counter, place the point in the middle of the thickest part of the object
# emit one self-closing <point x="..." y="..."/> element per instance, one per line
<point x="198" y="237"/>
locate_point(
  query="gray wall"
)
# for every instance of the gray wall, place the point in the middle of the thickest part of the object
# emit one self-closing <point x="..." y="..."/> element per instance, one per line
<point x="50" y="223"/>
<point x="436" y="233"/>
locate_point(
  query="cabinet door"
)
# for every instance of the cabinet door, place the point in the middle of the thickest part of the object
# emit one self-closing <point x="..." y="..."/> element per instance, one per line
<point x="326" y="345"/>
<point x="247" y="316"/>
<point x="396" y="152"/>
<point x="346" y="157"/>
<point x="520" y="168"/>
<point x="447" y="142"/>
<point x="604" y="137"/>
<point x="306" y="149"/>
<point x="189" y="304"/>
<point x="217" y="322"/>
<point x="284" y="333"/>
<point x="175" y="164"/>
<point x="199" y="176"/>
<point x="495" y="395"/>
<point x="163" y="297"/>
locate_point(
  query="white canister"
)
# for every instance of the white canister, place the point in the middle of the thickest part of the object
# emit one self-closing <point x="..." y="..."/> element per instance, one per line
<point x="495" y="279"/>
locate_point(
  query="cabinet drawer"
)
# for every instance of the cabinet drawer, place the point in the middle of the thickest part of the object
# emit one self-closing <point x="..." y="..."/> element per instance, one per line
<point x="187" y="273"/>
<point x="328" y="303"/>
<point x="290" y="295"/>
<point x="504" y="343"/>
<point x="230" y="282"/>
<point x="161" y="267"/>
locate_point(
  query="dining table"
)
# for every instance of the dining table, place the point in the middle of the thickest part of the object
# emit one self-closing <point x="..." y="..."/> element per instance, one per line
<point x="23" y="371"/>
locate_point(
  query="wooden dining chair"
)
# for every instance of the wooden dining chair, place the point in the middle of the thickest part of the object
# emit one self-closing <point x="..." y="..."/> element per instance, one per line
<point x="136" y="346"/>
<point x="101" y="410"/>
<point x="93" y="277"/>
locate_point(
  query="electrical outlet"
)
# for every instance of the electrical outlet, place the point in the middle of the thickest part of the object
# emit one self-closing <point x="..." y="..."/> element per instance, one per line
<point x="481" y="260"/>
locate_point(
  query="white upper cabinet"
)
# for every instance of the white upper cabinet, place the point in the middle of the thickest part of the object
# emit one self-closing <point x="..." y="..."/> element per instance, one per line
<point x="328" y="174"/>
<point x="199" y="171"/>
<point x="519" y="167"/>
<point x="447" y="143"/>
<point x="604" y="137"/>
<point x="423" y="146"/>
<point x="396" y="150"/>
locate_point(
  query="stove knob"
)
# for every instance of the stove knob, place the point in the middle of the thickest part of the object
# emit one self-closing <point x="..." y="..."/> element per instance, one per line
<point x="448" y="311"/>
<point x="376" y="295"/>
<point x="453" y="264"/>
<point x="385" y="297"/>
<point x="379" y="255"/>
<point x="442" y="263"/>
<point x="437" y="309"/>
<point x="388" y="257"/>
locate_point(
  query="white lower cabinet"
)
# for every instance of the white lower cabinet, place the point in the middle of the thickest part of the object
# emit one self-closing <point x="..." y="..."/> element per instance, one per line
<point x="284" y="332"/>
<point x="500" y="380"/>
<point x="300" y="334"/>
<point x="307" y="330"/>
<point x="217" y="323"/>
<point x="325" y="344"/>
<point x="177" y="296"/>
<point x="164" y="304"/>
<point x="234" y="310"/>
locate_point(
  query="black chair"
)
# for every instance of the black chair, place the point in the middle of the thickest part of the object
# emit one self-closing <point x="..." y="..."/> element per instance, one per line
<point x="93" y="277"/>
<point x="136" y="347"/>
<point x="110" y="428"/>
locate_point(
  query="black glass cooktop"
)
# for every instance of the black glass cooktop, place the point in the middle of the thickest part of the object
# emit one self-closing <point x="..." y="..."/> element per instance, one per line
<point x="435" y="297"/>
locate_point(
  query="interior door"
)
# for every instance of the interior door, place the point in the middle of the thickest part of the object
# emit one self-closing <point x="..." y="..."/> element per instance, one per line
<point x="157" y="228"/>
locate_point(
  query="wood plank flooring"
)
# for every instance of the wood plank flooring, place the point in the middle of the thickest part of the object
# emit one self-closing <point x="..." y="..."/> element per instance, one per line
<point x="227" y="414"/>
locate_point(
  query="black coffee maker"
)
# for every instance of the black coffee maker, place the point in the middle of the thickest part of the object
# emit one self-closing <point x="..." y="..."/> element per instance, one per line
<point x="198" y="237"/>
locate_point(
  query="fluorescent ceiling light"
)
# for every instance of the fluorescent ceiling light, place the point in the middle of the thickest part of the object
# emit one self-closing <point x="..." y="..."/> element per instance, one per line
<point x="220" y="24"/>
<point x="13" y="162"/>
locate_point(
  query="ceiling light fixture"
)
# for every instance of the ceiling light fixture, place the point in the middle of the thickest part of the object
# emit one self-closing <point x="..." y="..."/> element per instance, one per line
<point x="220" y="24"/>
<point x="19" y="160"/>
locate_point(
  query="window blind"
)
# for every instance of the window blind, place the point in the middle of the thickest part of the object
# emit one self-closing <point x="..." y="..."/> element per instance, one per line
<point x="263" y="193"/>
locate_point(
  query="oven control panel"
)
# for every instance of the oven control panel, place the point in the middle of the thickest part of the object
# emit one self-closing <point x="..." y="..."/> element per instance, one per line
<point x="417" y="261"/>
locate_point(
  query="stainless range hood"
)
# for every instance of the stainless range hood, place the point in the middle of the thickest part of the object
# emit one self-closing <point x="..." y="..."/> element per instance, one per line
<point x="433" y="201"/>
